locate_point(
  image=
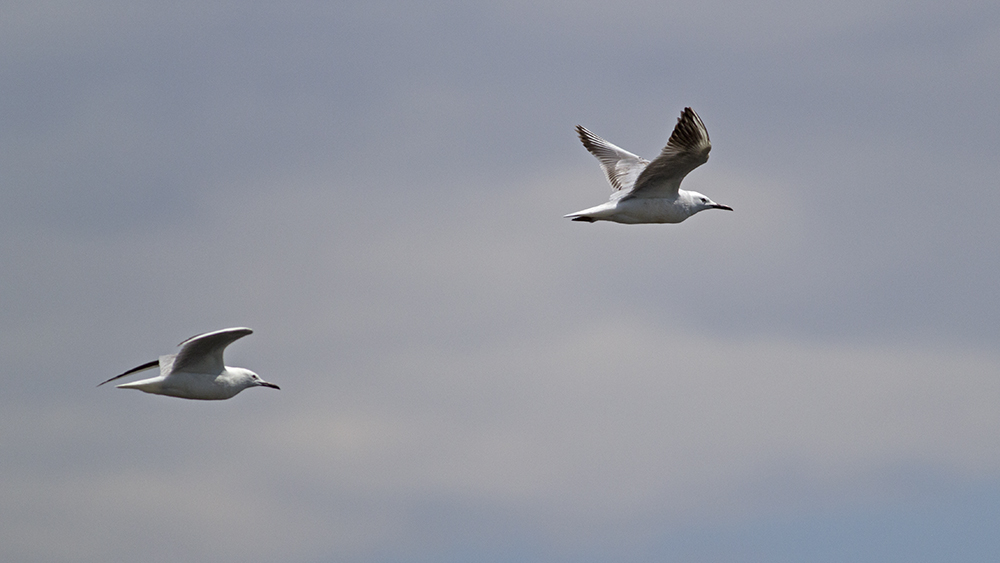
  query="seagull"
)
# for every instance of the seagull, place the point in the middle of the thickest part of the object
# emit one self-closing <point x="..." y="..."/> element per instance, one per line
<point x="649" y="192"/>
<point x="197" y="371"/>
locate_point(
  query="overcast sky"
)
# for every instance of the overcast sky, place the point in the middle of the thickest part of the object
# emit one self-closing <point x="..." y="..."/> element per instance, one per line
<point x="377" y="189"/>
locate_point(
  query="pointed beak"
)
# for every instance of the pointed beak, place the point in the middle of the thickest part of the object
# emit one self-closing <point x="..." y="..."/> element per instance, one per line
<point x="720" y="206"/>
<point x="271" y="385"/>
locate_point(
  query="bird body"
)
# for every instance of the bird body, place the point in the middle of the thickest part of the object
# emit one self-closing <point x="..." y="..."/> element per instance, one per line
<point x="635" y="210"/>
<point x="649" y="191"/>
<point x="197" y="371"/>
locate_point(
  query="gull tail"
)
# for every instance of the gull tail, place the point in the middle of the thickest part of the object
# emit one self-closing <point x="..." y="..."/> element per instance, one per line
<point x="602" y="212"/>
<point x="152" y="385"/>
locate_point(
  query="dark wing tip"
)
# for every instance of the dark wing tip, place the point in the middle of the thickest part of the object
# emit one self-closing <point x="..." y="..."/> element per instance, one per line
<point x="143" y="367"/>
<point x="587" y="138"/>
<point x="690" y="131"/>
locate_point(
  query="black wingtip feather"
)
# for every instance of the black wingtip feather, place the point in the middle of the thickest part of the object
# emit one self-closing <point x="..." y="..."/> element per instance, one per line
<point x="144" y="366"/>
<point x="688" y="131"/>
<point x="586" y="137"/>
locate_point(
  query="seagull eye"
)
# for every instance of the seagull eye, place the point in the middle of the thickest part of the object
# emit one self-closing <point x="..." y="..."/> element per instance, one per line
<point x="703" y="200"/>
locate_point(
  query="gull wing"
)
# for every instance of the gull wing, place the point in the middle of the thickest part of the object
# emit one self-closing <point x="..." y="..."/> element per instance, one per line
<point x="686" y="150"/>
<point x="620" y="166"/>
<point x="203" y="353"/>
<point x="143" y="367"/>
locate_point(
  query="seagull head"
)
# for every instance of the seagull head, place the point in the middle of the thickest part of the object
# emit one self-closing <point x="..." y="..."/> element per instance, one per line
<point x="251" y="379"/>
<point x="702" y="202"/>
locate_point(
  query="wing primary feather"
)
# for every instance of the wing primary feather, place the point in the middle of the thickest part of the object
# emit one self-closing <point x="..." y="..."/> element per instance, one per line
<point x="143" y="367"/>
<point x="620" y="166"/>
<point x="590" y="141"/>
<point x="689" y="133"/>
<point x="687" y="149"/>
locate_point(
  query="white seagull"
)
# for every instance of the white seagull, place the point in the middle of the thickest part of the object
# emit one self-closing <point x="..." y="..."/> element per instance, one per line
<point x="197" y="371"/>
<point x="649" y="192"/>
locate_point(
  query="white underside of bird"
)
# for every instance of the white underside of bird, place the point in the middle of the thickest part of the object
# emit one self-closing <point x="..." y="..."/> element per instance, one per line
<point x="197" y="371"/>
<point x="649" y="191"/>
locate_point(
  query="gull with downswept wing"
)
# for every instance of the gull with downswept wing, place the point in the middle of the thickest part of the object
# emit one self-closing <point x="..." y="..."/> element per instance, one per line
<point x="197" y="371"/>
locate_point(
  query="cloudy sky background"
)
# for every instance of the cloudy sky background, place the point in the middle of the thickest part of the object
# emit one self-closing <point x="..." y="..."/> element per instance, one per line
<point x="377" y="189"/>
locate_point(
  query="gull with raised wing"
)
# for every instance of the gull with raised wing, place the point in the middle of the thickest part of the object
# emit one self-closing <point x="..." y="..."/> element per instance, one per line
<point x="197" y="371"/>
<point x="649" y="192"/>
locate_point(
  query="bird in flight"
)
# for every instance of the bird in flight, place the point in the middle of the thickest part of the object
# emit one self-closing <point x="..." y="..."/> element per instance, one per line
<point x="649" y="192"/>
<point x="197" y="371"/>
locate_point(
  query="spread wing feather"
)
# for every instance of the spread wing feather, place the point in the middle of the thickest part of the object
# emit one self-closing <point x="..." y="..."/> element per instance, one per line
<point x="621" y="167"/>
<point x="686" y="150"/>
